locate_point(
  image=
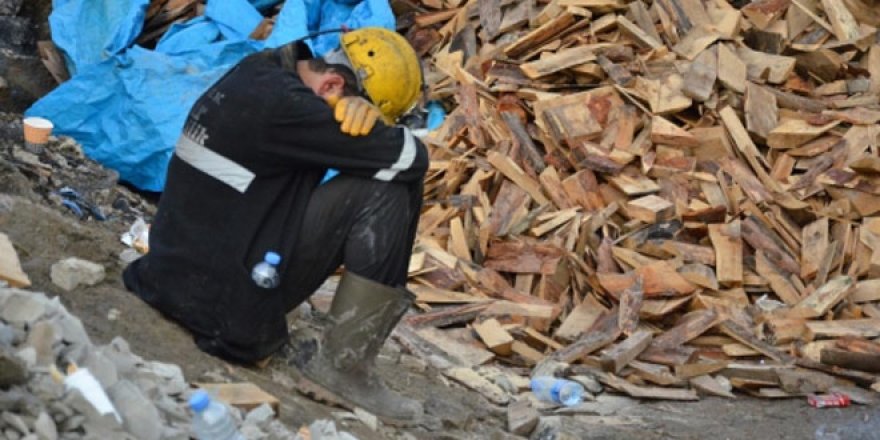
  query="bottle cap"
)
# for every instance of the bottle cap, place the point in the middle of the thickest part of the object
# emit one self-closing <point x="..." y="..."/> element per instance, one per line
<point x="199" y="400"/>
<point x="272" y="258"/>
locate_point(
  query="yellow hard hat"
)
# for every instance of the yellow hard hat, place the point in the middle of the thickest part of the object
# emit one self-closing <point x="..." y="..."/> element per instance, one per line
<point x="387" y="67"/>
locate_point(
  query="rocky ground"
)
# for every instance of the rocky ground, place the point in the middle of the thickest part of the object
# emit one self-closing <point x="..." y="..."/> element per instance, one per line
<point x="46" y="230"/>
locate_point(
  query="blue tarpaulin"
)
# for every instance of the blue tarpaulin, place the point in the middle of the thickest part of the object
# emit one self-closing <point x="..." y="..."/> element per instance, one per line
<point x="126" y="104"/>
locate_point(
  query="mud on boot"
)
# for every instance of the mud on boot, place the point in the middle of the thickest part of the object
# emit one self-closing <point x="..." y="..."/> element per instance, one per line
<point x="362" y="315"/>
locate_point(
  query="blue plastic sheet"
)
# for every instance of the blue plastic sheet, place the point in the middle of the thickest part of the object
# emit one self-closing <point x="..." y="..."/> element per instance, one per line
<point x="127" y="105"/>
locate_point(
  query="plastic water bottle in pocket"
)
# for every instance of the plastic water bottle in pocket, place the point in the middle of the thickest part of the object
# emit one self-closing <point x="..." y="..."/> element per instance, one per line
<point x="265" y="273"/>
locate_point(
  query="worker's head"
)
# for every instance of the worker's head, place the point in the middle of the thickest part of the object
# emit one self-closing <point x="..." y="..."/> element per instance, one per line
<point x="386" y="66"/>
<point x="329" y="81"/>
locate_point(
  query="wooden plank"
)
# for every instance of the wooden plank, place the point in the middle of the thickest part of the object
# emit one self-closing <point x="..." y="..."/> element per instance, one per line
<point x="650" y="209"/>
<point x="760" y="111"/>
<point x="494" y="336"/>
<point x="814" y="247"/>
<point x="466" y="354"/>
<point x="630" y="305"/>
<point x="869" y="362"/>
<point x="731" y="70"/>
<point x="245" y="396"/>
<point x="581" y="318"/>
<point x="710" y="385"/>
<point x="700" y="274"/>
<point x="490" y="17"/>
<point x="866" y="291"/>
<point x="780" y="284"/>
<point x="433" y="295"/>
<point x="823" y="299"/>
<point x="603" y="333"/>
<point x="649" y="392"/>
<point x="512" y="171"/>
<point x="665" y="132"/>
<point x="634" y="185"/>
<point x="758" y="236"/>
<point x="746" y="337"/>
<point x="873" y="66"/>
<point x="473" y="380"/>
<point x="10" y="267"/>
<point x="842" y="21"/>
<point x="637" y="34"/>
<point x="559" y="61"/>
<point x="764" y="12"/>
<point x="699" y="80"/>
<point x="727" y="240"/>
<point x="761" y="66"/>
<point x="619" y="74"/>
<point x="696" y="41"/>
<point x="862" y="328"/>
<point x="540" y="35"/>
<point x="689" y="327"/>
<point x="792" y="133"/>
<point x="618" y="356"/>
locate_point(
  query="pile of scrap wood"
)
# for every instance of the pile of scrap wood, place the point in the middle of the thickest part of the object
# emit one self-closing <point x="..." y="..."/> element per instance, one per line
<point x="162" y="14"/>
<point x="674" y="195"/>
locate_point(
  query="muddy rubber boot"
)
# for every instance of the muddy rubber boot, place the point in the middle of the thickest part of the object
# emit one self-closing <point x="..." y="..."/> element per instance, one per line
<point x="362" y="316"/>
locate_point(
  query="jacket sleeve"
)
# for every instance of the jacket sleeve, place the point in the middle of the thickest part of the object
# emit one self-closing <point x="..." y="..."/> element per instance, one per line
<point x="303" y="133"/>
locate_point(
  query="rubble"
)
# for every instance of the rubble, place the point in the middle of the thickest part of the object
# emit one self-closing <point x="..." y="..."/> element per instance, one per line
<point x="72" y="272"/>
<point x="149" y="396"/>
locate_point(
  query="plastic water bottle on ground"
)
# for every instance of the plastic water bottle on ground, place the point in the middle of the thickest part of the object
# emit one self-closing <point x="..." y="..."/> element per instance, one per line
<point x="212" y="420"/>
<point x="556" y="390"/>
<point x="265" y="273"/>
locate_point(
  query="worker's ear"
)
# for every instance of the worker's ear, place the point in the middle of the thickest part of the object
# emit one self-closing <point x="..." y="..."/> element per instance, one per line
<point x="333" y="84"/>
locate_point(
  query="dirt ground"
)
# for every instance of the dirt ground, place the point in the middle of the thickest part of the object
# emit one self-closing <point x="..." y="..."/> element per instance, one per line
<point x="43" y="234"/>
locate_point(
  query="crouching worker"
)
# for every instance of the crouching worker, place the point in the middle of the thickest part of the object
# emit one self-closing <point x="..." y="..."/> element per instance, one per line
<point x="245" y="180"/>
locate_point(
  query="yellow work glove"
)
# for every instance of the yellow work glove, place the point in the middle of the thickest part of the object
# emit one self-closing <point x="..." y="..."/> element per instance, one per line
<point x="356" y="114"/>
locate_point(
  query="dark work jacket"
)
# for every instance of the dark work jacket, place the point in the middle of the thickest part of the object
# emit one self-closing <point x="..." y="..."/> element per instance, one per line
<point x="253" y="149"/>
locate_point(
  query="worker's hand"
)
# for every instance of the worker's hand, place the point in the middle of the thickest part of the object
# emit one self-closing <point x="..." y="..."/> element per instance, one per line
<point x="357" y="115"/>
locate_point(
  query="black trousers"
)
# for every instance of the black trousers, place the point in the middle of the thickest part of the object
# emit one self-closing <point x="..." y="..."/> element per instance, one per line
<point x="366" y="225"/>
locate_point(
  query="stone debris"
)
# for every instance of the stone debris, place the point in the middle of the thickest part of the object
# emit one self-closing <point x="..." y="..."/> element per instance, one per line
<point x="70" y="273"/>
<point x="38" y="333"/>
<point x="10" y="7"/>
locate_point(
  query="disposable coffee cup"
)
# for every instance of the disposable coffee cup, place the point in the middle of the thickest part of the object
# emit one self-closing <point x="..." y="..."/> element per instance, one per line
<point x="36" y="133"/>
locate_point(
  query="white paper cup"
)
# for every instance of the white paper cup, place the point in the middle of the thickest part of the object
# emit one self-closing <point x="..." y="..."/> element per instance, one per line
<point x="37" y="130"/>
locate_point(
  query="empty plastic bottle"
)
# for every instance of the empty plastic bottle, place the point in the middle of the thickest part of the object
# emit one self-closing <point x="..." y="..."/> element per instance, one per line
<point x="265" y="273"/>
<point x="212" y="420"/>
<point x="561" y="391"/>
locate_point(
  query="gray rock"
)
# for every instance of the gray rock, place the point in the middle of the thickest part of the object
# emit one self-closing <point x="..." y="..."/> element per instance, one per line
<point x="22" y="308"/>
<point x="44" y="427"/>
<point x="72" y="272"/>
<point x="7" y="335"/>
<point x="11" y="434"/>
<point x="140" y="416"/>
<point x="12" y="370"/>
<point x="72" y="330"/>
<point x="260" y="416"/>
<point x="42" y="338"/>
<point x="15" y="422"/>
<point x="550" y="428"/>
<point x="10" y="7"/>
<point x="73" y="423"/>
<point x="102" y="368"/>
